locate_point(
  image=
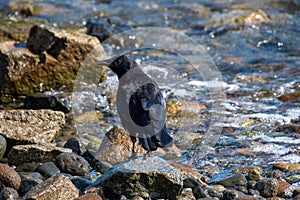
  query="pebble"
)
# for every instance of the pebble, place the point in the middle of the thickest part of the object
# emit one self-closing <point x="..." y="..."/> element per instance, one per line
<point x="9" y="177"/>
<point x="73" y="164"/>
<point x="190" y="182"/>
<point x="200" y="192"/>
<point x="267" y="187"/>
<point x="255" y="174"/>
<point x="75" y="145"/>
<point x="102" y="166"/>
<point x="229" y="179"/>
<point x="283" y="189"/>
<point x="81" y="183"/>
<point x="8" y="193"/>
<point x="47" y="169"/>
<point x="287" y="166"/>
<point x="3" y="145"/>
<point x="28" y="181"/>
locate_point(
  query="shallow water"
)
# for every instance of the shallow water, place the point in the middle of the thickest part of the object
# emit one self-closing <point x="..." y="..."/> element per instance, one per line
<point x="258" y="59"/>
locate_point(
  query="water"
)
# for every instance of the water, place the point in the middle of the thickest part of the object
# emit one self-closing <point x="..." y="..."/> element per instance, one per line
<point x="256" y="47"/>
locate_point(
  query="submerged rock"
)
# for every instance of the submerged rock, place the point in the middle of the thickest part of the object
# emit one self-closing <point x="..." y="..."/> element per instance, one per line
<point x="38" y="153"/>
<point x="57" y="187"/>
<point x="147" y="177"/>
<point x="30" y="126"/>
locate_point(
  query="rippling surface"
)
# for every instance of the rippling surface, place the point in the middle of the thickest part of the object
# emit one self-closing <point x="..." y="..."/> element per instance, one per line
<point x="255" y="45"/>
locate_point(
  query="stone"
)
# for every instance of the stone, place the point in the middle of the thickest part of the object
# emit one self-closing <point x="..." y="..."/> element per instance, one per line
<point x="102" y="166"/>
<point x="30" y="126"/>
<point x="8" y="193"/>
<point x="267" y="187"/>
<point x="57" y="102"/>
<point x="287" y="166"/>
<point x="101" y="28"/>
<point x="81" y="183"/>
<point x="57" y="187"/>
<point x="200" y="192"/>
<point x="52" y="60"/>
<point x="283" y="189"/>
<point x="117" y="146"/>
<point x="9" y="177"/>
<point x="76" y="146"/>
<point x="3" y="145"/>
<point x="229" y="179"/>
<point x="236" y="195"/>
<point x="89" y="196"/>
<point x="28" y="182"/>
<point x="255" y="174"/>
<point x="190" y="182"/>
<point x="147" y="177"/>
<point x="47" y="169"/>
<point x="186" y="193"/>
<point x="290" y="97"/>
<point x="73" y="164"/>
<point x="38" y="153"/>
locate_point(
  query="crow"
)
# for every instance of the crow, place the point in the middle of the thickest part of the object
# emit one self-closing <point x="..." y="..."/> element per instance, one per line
<point x="140" y="105"/>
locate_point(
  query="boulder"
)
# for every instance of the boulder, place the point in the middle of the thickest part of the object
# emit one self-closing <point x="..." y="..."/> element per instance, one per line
<point x="38" y="153"/>
<point x="30" y="126"/>
<point x="149" y="177"/>
<point x="57" y="187"/>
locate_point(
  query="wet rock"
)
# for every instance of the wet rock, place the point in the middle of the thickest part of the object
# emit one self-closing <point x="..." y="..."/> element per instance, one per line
<point x="28" y="182"/>
<point x="147" y="177"/>
<point x="30" y="126"/>
<point x="236" y="195"/>
<point x="81" y="183"/>
<point x="101" y="28"/>
<point x="8" y="193"/>
<point x="76" y="146"/>
<point x="190" y="183"/>
<point x="255" y="174"/>
<point x="257" y="17"/>
<point x="53" y="61"/>
<point x="200" y="192"/>
<point x="47" y="169"/>
<point x="290" y="97"/>
<point x="9" y="177"/>
<point x="186" y="193"/>
<point x="229" y="179"/>
<point x="287" y="166"/>
<point x="117" y="146"/>
<point x="38" y="153"/>
<point x="267" y="187"/>
<point x="89" y="196"/>
<point x="57" y="187"/>
<point x="73" y="164"/>
<point x="47" y="101"/>
<point x="269" y="118"/>
<point x="3" y="146"/>
<point x="102" y="166"/>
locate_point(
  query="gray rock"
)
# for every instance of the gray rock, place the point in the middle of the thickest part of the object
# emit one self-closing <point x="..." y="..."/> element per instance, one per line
<point x="73" y="164"/>
<point x="28" y="182"/>
<point x="47" y="169"/>
<point x="147" y="177"/>
<point x="81" y="183"/>
<point x="9" y="177"/>
<point x="102" y="166"/>
<point x="190" y="182"/>
<point x="3" y="146"/>
<point x="229" y="179"/>
<point x="76" y="145"/>
<point x="38" y="153"/>
<point x="267" y="187"/>
<point x="57" y="187"/>
<point x="30" y="126"/>
<point x="8" y="193"/>
<point x="234" y="194"/>
<point x="200" y="192"/>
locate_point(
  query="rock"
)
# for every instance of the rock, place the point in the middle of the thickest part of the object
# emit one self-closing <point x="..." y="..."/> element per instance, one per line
<point x="267" y="187"/>
<point x="76" y="146"/>
<point x="229" y="179"/>
<point x="51" y="61"/>
<point x="56" y="102"/>
<point x="188" y="171"/>
<point x="30" y="126"/>
<point x="102" y="29"/>
<point x="290" y="97"/>
<point x="186" y="194"/>
<point x="190" y="182"/>
<point x="283" y="189"/>
<point x="117" y="146"/>
<point x="47" y="169"/>
<point x="200" y="192"/>
<point x="236" y="195"/>
<point x="287" y="166"/>
<point x="3" y="146"/>
<point x="147" y="177"/>
<point x="255" y="174"/>
<point x="9" y="177"/>
<point x="73" y="164"/>
<point x="89" y="196"/>
<point x="81" y="183"/>
<point x="102" y="166"/>
<point x="57" y="187"/>
<point x="8" y="193"/>
<point x="28" y="182"/>
<point x="38" y="153"/>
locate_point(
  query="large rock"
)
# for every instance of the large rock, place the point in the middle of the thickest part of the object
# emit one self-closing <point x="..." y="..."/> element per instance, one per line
<point x="147" y="177"/>
<point x="37" y="153"/>
<point x="52" y="60"/>
<point x="30" y="126"/>
<point x="117" y="146"/>
<point x="57" y="187"/>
